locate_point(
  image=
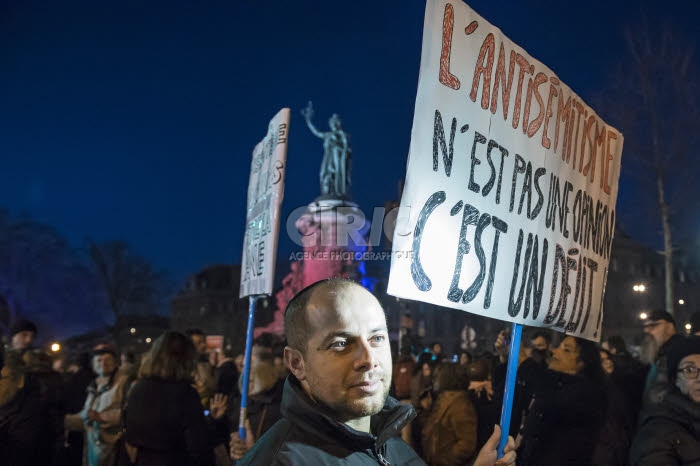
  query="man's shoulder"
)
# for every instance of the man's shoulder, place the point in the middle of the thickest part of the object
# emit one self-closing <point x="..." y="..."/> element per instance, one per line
<point x="267" y="447"/>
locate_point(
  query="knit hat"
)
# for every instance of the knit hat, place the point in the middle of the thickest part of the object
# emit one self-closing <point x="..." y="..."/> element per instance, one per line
<point x="22" y="325"/>
<point x="104" y="348"/>
<point x="659" y="314"/>
<point x="677" y="350"/>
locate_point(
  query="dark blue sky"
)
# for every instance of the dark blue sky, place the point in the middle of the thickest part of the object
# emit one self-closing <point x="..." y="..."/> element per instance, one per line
<point x="136" y="120"/>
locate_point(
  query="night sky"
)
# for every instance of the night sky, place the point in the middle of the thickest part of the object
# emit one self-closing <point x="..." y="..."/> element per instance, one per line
<point x="121" y="120"/>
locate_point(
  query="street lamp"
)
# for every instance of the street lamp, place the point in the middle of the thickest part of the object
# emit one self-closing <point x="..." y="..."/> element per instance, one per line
<point x="55" y="347"/>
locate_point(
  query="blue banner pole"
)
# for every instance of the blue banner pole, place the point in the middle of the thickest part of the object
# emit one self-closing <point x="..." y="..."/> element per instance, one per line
<point x="246" y="367"/>
<point x="509" y="393"/>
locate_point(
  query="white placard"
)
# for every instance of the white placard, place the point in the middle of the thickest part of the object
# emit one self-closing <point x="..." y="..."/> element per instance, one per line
<point x="265" y="193"/>
<point x="508" y="209"/>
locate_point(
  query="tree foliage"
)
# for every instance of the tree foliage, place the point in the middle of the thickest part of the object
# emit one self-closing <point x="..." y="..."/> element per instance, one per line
<point x="655" y="104"/>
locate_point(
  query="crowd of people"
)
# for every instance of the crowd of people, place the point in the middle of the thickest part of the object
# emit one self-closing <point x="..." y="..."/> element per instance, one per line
<point x="335" y="395"/>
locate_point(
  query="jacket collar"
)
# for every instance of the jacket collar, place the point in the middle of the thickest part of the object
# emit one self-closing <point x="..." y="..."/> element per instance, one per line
<point x="300" y="409"/>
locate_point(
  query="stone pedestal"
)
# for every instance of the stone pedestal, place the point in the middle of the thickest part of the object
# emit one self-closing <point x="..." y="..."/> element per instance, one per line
<point x="334" y="236"/>
<point x="333" y="233"/>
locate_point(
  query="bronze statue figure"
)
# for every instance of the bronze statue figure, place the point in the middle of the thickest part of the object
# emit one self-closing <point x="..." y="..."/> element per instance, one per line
<point x="337" y="154"/>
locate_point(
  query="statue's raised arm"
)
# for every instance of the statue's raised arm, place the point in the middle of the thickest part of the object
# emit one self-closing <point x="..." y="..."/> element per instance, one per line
<point x="308" y="113"/>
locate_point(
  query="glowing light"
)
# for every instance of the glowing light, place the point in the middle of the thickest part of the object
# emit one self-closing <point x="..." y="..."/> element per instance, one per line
<point x="635" y="287"/>
<point x="643" y="315"/>
<point x="55" y="347"/>
<point x="681" y="302"/>
<point x="688" y="327"/>
<point x="148" y="340"/>
<point x="133" y="331"/>
<point x="642" y="288"/>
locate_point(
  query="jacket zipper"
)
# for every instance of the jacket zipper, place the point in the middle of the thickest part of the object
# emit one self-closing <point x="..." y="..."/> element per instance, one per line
<point x="381" y="459"/>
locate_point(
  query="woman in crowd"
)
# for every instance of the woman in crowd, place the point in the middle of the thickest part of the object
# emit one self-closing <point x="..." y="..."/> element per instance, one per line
<point x="164" y="419"/>
<point x="568" y="408"/>
<point x="669" y="432"/>
<point x="449" y="433"/>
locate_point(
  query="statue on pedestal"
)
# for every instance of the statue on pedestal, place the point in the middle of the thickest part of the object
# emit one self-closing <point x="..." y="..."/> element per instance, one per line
<point x="335" y="167"/>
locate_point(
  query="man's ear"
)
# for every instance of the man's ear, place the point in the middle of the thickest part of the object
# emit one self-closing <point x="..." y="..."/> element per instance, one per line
<point x="294" y="361"/>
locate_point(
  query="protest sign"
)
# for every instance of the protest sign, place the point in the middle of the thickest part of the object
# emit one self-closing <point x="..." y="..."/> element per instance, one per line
<point x="265" y="192"/>
<point x="508" y="209"/>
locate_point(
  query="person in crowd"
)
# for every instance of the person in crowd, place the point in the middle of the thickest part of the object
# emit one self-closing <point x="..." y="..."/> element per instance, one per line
<point x="628" y="376"/>
<point x="263" y="410"/>
<point x="129" y="364"/>
<point x="606" y="362"/>
<point x="77" y="379"/>
<point x="402" y="375"/>
<point x="227" y="374"/>
<point x="618" y="428"/>
<point x="481" y="394"/>
<point x="661" y="327"/>
<point x="541" y="344"/>
<point x="568" y="408"/>
<point x="335" y="405"/>
<point x="31" y="409"/>
<point x="449" y="433"/>
<point x="465" y="358"/>
<point x="616" y="345"/>
<point x="529" y="372"/>
<point x="100" y="417"/>
<point x="204" y="379"/>
<point x="421" y="399"/>
<point x="22" y="334"/>
<point x="163" y="419"/>
<point x="438" y="355"/>
<point x="669" y="432"/>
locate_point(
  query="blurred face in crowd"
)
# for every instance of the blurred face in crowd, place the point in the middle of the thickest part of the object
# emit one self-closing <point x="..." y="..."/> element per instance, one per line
<point x="426" y="369"/>
<point x="239" y="361"/>
<point x="687" y="379"/>
<point x="606" y="362"/>
<point x="464" y="359"/>
<point x="200" y="343"/>
<point x="104" y="364"/>
<point x="540" y="343"/>
<point x="22" y="340"/>
<point x="346" y="364"/>
<point x="565" y="357"/>
<point x="437" y="349"/>
<point x="660" y="330"/>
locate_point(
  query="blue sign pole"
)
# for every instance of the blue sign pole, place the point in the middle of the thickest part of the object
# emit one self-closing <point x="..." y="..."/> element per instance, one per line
<point x="509" y="393"/>
<point x="246" y="367"/>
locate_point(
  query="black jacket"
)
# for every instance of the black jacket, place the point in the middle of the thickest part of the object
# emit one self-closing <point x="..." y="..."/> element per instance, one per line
<point x="563" y="425"/>
<point x="307" y="435"/>
<point x="263" y="411"/>
<point x="165" y="421"/>
<point x="669" y="433"/>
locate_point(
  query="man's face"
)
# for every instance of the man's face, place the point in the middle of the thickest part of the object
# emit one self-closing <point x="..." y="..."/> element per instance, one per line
<point x="660" y="330"/>
<point x="104" y="364"/>
<point x="437" y="349"/>
<point x="200" y="343"/>
<point x="689" y="386"/>
<point x="22" y="340"/>
<point x="347" y="362"/>
<point x="540" y="343"/>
